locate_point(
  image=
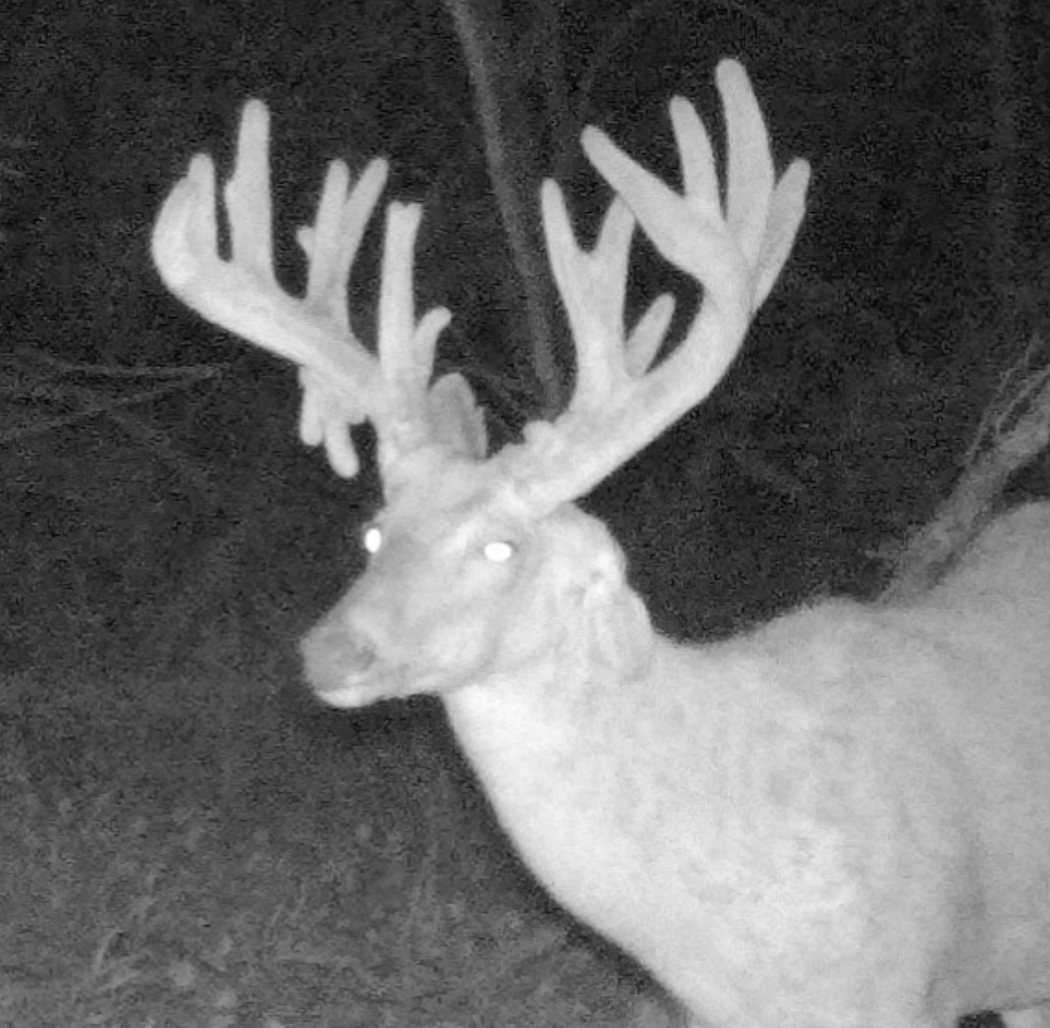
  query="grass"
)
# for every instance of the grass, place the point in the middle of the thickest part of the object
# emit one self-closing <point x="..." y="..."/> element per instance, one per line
<point x="267" y="868"/>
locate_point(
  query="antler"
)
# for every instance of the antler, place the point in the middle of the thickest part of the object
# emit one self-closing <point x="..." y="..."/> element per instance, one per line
<point x="736" y="253"/>
<point x="344" y="384"/>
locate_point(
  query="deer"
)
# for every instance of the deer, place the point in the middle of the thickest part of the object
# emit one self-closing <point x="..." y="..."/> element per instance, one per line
<point x="840" y="818"/>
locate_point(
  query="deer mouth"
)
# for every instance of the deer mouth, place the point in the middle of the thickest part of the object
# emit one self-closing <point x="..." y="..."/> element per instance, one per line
<point x="347" y="671"/>
<point x="357" y="686"/>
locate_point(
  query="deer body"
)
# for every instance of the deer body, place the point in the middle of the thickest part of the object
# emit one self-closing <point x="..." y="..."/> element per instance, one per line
<point x="841" y="819"/>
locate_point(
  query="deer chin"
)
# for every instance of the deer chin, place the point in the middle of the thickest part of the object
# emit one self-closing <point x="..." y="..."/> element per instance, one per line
<point x="347" y="689"/>
<point x="351" y="689"/>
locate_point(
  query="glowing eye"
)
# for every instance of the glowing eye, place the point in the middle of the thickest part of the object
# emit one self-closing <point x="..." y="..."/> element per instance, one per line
<point x="372" y="539"/>
<point x="499" y="552"/>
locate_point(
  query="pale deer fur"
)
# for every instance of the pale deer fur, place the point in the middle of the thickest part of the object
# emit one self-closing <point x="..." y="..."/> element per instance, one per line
<point x="840" y="819"/>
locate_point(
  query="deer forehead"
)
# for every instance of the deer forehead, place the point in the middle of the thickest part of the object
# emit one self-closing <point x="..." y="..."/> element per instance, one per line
<point x="429" y="525"/>
<point x="453" y="501"/>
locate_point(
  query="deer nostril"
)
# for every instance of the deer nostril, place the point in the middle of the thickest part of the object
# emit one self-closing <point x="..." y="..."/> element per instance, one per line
<point x="333" y="656"/>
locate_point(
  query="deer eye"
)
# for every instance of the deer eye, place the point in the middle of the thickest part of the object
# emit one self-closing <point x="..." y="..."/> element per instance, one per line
<point x="372" y="539"/>
<point x="499" y="551"/>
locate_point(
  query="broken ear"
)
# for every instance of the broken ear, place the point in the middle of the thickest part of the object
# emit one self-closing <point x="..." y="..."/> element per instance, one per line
<point x="456" y="420"/>
<point x="617" y="624"/>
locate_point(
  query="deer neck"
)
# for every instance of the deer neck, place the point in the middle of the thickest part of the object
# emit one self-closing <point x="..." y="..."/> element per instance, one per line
<point x="564" y="750"/>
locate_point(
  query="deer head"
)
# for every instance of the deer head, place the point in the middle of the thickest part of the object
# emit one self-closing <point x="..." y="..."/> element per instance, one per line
<point x="480" y="566"/>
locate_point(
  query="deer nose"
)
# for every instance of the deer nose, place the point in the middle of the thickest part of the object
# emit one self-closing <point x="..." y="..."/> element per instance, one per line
<point x="335" y="657"/>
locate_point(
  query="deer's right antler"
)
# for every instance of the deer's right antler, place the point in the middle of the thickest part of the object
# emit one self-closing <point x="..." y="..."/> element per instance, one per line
<point x="343" y="383"/>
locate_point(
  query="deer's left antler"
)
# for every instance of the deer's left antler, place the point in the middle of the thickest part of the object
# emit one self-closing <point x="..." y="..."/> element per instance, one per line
<point x="735" y="250"/>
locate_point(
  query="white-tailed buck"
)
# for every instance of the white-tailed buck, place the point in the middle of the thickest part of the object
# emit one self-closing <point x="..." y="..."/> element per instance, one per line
<point x="840" y="819"/>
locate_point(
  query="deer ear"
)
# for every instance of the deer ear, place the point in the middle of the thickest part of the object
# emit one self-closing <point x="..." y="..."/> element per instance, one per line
<point x="455" y="418"/>
<point x="617" y="622"/>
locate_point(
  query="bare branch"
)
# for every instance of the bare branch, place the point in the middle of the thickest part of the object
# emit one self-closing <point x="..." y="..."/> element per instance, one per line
<point x="1015" y="428"/>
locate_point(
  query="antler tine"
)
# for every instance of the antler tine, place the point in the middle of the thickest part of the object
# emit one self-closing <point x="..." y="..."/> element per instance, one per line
<point x="343" y="383"/>
<point x="735" y="255"/>
<point x="406" y="348"/>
